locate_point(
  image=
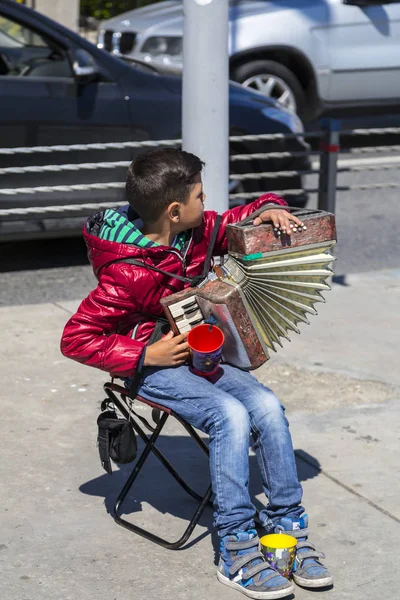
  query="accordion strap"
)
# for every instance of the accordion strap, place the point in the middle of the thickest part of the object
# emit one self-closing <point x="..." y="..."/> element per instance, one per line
<point x="141" y="263"/>
<point x="194" y="281"/>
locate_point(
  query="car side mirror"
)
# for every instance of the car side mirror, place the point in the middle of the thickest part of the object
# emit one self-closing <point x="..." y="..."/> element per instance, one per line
<point x="84" y="66"/>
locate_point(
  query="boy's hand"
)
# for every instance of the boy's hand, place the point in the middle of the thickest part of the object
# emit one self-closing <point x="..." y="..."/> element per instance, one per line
<point x="282" y="220"/>
<point x="170" y="351"/>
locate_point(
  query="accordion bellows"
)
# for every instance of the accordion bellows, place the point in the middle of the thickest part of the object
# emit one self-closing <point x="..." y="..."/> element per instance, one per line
<point x="267" y="287"/>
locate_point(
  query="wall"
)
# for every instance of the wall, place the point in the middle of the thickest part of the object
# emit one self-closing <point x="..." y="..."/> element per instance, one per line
<point x="65" y="12"/>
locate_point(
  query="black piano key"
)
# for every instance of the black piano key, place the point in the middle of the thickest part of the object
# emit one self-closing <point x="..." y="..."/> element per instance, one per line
<point x="191" y="311"/>
<point x="197" y="322"/>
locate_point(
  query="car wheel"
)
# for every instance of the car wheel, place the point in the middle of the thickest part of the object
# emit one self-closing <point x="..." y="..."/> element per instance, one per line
<point x="274" y="80"/>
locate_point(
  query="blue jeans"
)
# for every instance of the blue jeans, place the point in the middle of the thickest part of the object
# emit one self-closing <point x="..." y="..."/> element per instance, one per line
<point x="230" y="409"/>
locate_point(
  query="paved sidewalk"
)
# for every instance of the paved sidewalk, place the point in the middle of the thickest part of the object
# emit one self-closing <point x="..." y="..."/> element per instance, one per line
<point x="340" y="382"/>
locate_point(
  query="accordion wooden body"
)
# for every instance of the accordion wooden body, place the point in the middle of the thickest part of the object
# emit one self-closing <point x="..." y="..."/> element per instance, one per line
<point x="265" y="288"/>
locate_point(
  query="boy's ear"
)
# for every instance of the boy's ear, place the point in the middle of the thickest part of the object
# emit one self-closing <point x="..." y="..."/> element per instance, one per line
<point x="174" y="211"/>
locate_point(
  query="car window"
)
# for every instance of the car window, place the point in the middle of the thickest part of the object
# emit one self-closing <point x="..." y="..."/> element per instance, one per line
<point x="26" y="53"/>
<point x="17" y="33"/>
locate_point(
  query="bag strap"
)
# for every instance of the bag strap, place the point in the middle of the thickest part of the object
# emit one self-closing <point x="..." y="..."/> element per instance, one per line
<point x="103" y="442"/>
<point x="143" y="420"/>
<point x="107" y="404"/>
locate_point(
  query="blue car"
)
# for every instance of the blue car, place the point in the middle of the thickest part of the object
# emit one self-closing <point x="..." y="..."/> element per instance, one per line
<point x="58" y="88"/>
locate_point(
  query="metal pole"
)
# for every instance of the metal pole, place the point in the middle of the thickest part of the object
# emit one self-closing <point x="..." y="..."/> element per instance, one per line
<point x="205" y="109"/>
<point x="330" y="147"/>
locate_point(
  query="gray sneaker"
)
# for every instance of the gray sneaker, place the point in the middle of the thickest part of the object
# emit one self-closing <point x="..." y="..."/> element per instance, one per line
<point x="243" y="568"/>
<point x="308" y="570"/>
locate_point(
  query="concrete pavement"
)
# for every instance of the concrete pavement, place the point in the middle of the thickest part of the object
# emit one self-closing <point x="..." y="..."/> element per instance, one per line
<point x="340" y="382"/>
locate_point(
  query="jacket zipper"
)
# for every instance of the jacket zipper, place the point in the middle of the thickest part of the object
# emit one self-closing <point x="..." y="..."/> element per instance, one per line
<point x="179" y="255"/>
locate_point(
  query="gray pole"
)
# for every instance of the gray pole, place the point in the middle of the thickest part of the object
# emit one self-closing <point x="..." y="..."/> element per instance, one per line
<point x="205" y="110"/>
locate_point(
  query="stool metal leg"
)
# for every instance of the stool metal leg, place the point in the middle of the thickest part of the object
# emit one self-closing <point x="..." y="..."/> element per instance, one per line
<point x="140" y="462"/>
<point x="139" y="530"/>
<point x="166" y="462"/>
<point x="113" y="397"/>
<point x="111" y="390"/>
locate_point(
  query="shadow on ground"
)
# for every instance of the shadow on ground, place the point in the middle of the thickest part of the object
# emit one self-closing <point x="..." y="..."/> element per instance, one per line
<point x="43" y="254"/>
<point x="157" y="488"/>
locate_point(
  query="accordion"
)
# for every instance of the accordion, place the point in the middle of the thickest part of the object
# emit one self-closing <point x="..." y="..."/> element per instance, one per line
<point x="265" y="287"/>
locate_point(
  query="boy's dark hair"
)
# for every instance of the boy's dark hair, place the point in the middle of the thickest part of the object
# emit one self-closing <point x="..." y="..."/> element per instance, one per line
<point x="159" y="177"/>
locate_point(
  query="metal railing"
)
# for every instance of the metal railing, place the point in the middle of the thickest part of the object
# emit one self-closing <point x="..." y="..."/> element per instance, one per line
<point x="325" y="146"/>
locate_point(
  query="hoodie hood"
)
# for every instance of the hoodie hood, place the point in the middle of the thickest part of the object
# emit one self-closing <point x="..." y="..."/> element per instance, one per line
<point x="115" y="234"/>
<point x="124" y="228"/>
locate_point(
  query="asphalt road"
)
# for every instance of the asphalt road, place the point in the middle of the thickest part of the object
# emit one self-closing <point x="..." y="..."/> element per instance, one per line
<point x="367" y="225"/>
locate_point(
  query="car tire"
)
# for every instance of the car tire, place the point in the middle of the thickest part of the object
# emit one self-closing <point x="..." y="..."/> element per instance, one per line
<point x="285" y="80"/>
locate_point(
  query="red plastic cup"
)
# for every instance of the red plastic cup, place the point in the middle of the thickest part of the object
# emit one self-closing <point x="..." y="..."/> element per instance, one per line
<point x="205" y="343"/>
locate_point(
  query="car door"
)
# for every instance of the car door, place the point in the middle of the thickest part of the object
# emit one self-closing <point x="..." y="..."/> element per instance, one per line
<point x="41" y="102"/>
<point x="364" y="43"/>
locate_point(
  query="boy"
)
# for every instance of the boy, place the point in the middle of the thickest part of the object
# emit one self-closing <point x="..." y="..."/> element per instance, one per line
<point x="165" y="226"/>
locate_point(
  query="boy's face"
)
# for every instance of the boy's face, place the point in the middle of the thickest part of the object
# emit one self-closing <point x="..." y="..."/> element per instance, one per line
<point x="191" y="211"/>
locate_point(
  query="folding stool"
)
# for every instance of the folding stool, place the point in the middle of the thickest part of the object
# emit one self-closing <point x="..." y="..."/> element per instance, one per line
<point x="119" y="396"/>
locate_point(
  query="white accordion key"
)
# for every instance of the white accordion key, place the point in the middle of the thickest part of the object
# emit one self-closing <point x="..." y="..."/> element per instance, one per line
<point x="186" y="314"/>
<point x="179" y="308"/>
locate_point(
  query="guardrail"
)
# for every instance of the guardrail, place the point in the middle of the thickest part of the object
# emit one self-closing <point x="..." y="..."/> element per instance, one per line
<point x="325" y="146"/>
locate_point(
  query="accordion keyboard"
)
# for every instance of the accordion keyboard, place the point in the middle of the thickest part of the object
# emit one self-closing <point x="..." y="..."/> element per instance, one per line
<point x="186" y="314"/>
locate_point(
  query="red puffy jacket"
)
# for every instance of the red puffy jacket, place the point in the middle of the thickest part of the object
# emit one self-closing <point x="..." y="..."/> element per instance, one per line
<point x="108" y="330"/>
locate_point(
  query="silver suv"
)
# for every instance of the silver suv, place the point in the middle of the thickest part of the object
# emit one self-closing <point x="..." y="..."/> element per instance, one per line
<point x="310" y="55"/>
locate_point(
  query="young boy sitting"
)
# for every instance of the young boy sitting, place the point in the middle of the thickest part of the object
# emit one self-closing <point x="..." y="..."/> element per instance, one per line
<point x="165" y="226"/>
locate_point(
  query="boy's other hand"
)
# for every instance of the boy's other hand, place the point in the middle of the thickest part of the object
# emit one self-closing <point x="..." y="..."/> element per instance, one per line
<point x="170" y="351"/>
<point x="282" y="220"/>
